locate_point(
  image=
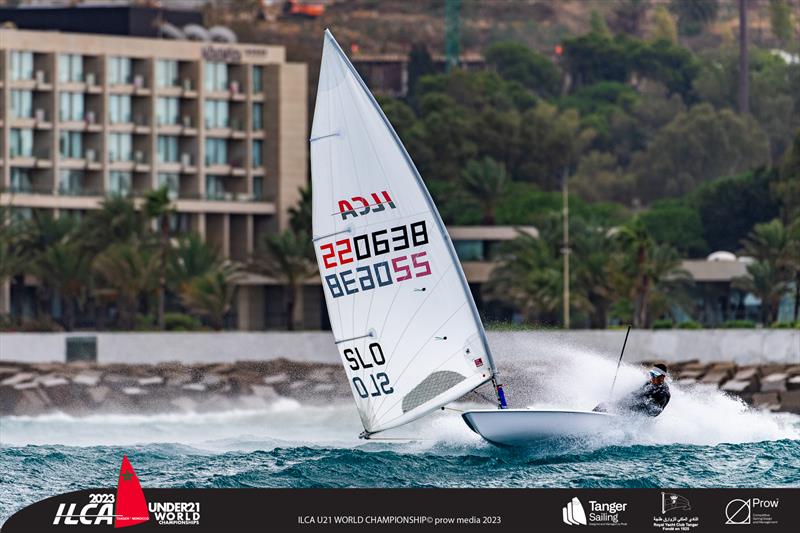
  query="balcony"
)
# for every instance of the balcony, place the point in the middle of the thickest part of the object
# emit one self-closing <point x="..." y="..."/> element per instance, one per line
<point x="138" y="87"/>
<point x="186" y="89"/>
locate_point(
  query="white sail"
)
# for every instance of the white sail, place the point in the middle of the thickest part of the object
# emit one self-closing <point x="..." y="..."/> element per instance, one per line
<point x="401" y="312"/>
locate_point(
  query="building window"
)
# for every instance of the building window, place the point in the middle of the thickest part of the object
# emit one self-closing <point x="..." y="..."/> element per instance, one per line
<point x="258" y="79"/>
<point x="119" y="109"/>
<point x="120" y="70"/>
<point x="119" y="183"/>
<point x="166" y="73"/>
<point x="171" y="182"/>
<point x="69" y="182"/>
<point x="21" y="65"/>
<point x="70" y="106"/>
<point x="216" y="76"/>
<point x="21" y="143"/>
<point x="215" y="113"/>
<point x="469" y="250"/>
<point x="120" y="147"/>
<point x="70" y="68"/>
<point x="70" y="144"/>
<point x="167" y="149"/>
<point x="21" y="180"/>
<point x="21" y="104"/>
<point x="258" y="153"/>
<point x="258" y="188"/>
<point x="215" y="187"/>
<point x="258" y="116"/>
<point x="167" y="111"/>
<point x="216" y="152"/>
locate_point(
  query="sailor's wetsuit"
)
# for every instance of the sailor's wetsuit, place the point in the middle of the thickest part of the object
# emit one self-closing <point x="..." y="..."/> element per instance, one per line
<point x="647" y="400"/>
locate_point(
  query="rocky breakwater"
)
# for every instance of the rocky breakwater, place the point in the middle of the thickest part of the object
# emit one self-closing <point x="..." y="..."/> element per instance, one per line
<point x="775" y="387"/>
<point x="86" y="388"/>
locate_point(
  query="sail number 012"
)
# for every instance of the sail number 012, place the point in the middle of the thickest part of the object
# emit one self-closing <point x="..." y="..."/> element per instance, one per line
<point x="378" y="384"/>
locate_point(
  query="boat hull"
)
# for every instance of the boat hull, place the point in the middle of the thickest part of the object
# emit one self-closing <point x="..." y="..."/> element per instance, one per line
<point x="521" y="427"/>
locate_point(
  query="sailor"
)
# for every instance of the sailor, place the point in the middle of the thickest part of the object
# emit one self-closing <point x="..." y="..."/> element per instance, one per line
<point x="650" y="399"/>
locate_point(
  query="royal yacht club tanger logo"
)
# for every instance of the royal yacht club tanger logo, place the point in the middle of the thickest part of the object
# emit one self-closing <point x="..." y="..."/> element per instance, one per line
<point x="599" y="513"/>
<point x="673" y="502"/>
<point x="675" y="514"/>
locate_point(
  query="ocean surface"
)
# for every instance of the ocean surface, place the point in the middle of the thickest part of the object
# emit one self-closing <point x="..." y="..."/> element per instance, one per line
<point x="703" y="439"/>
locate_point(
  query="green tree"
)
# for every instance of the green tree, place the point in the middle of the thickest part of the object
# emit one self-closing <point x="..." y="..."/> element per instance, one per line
<point x="781" y="20"/>
<point x="729" y="207"/>
<point x="288" y="258"/>
<point x="787" y="188"/>
<point x="211" y="294"/>
<point x="486" y="181"/>
<point x="191" y="258"/>
<point x="694" y="15"/>
<point x="116" y="221"/>
<point x="158" y="207"/>
<point x="697" y="146"/>
<point x="597" y="24"/>
<point x="767" y="284"/>
<point x="678" y="224"/>
<point x="559" y="141"/>
<point x="127" y="271"/>
<point x="64" y="268"/>
<point x="519" y="63"/>
<point x="645" y="272"/>
<point x="663" y="26"/>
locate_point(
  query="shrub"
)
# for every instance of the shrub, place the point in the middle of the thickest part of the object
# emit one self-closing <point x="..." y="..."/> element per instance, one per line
<point x="785" y="325"/>
<point x="181" y="322"/>
<point x="664" y="323"/>
<point x="691" y="324"/>
<point x="738" y="324"/>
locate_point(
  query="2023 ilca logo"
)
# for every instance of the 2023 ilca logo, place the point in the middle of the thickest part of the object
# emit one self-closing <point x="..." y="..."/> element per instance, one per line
<point x="128" y="507"/>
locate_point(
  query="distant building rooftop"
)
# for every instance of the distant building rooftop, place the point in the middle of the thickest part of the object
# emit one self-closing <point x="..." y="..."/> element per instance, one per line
<point x="714" y="271"/>
<point x="134" y="21"/>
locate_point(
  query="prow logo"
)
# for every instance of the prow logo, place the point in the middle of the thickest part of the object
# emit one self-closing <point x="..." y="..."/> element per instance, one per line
<point x="360" y="206"/>
<point x="131" y="505"/>
<point x="573" y="513"/>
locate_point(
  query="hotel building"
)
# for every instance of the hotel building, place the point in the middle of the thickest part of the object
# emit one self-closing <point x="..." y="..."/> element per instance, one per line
<point x="222" y="126"/>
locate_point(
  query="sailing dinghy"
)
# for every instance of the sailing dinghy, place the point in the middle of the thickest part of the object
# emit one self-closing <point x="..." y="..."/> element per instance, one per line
<point x="401" y="311"/>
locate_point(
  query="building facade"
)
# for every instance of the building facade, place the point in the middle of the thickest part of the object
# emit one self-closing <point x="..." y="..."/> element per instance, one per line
<point x="222" y="126"/>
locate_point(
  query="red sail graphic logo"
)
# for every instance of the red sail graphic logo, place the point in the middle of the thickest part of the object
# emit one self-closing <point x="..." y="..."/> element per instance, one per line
<point x="131" y="505"/>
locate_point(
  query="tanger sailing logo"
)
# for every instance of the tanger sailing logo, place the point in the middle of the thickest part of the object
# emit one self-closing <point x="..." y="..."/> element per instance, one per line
<point x="131" y="507"/>
<point x="360" y="206"/>
<point x="573" y="514"/>
<point x="672" y="502"/>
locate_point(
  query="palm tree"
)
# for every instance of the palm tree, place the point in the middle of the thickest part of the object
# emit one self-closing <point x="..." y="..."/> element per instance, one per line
<point x="116" y="221"/>
<point x="766" y="283"/>
<point x="190" y="258"/>
<point x="158" y="206"/>
<point x="129" y="271"/>
<point x="64" y="268"/>
<point x="645" y="271"/>
<point x="211" y="294"/>
<point x="776" y="249"/>
<point x="486" y="181"/>
<point x="288" y="258"/>
<point x="529" y="276"/>
<point x="13" y="257"/>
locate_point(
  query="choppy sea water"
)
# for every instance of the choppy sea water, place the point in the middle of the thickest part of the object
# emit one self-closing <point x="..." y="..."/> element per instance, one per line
<point x="703" y="439"/>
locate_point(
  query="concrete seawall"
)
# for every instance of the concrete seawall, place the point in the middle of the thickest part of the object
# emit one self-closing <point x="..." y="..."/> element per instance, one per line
<point x="743" y="346"/>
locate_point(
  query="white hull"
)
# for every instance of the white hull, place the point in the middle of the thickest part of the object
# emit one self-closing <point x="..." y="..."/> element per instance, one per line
<point x="520" y="427"/>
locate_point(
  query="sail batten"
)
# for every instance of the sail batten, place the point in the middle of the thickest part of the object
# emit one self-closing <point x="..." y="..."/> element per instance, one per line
<point x="400" y="308"/>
